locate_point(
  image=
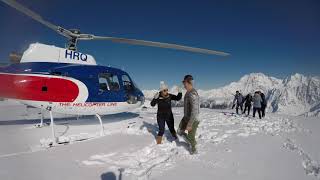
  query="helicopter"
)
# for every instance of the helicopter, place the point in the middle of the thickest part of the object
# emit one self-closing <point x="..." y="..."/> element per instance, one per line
<point x="64" y="80"/>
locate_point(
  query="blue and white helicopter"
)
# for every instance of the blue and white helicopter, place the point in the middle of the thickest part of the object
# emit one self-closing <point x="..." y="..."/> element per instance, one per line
<point x="66" y="81"/>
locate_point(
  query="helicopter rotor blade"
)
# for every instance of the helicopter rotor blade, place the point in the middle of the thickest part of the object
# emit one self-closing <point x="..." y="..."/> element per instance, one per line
<point x="14" y="4"/>
<point x="152" y="44"/>
<point x="77" y="36"/>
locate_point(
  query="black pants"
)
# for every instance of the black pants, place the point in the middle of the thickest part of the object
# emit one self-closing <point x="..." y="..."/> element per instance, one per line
<point x="237" y="108"/>
<point x="247" y="106"/>
<point x="162" y="121"/>
<point x="263" y="110"/>
<point x="259" y="112"/>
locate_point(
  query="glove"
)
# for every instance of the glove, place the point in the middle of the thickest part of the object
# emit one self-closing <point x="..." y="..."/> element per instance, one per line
<point x="156" y="96"/>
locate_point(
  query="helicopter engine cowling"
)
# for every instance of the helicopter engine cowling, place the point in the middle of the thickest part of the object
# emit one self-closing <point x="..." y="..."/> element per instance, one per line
<point x="38" y="52"/>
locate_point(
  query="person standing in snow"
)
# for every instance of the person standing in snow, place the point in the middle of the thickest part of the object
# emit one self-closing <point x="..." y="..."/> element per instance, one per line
<point x="238" y="102"/>
<point x="257" y="100"/>
<point x="164" y="113"/>
<point x="247" y="103"/>
<point x="263" y="104"/>
<point x="190" y="120"/>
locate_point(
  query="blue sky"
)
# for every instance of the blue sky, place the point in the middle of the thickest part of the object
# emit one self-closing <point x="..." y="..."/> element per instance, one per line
<point x="277" y="38"/>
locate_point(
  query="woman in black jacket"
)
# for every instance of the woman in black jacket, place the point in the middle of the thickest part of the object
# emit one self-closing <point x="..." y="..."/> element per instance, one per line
<point x="164" y="114"/>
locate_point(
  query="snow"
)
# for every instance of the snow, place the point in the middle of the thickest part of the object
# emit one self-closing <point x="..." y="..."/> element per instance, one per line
<point x="310" y="166"/>
<point x="230" y="146"/>
<point x="295" y="95"/>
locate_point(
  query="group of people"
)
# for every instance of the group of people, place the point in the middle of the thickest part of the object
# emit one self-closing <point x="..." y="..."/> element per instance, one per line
<point x="190" y="121"/>
<point x="258" y="101"/>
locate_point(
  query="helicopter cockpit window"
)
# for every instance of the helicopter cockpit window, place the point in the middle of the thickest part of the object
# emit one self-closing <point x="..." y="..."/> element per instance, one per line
<point x="127" y="83"/>
<point x="108" y="82"/>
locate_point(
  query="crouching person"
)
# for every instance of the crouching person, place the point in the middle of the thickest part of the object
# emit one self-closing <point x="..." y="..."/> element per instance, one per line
<point x="164" y="114"/>
<point x="190" y="120"/>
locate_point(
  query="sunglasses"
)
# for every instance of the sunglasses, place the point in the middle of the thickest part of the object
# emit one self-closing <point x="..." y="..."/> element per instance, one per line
<point x="165" y="90"/>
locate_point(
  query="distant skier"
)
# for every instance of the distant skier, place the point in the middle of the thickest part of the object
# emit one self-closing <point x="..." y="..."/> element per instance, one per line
<point x="190" y="120"/>
<point x="164" y="114"/>
<point x="257" y="100"/>
<point x="263" y="104"/>
<point x="247" y="103"/>
<point x="238" y="102"/>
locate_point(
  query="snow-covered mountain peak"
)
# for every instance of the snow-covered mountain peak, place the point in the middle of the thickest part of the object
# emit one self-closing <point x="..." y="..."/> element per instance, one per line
<point x="257" y="76"/>
<point x="295" y="79"/>
<point x="257" y="81"/>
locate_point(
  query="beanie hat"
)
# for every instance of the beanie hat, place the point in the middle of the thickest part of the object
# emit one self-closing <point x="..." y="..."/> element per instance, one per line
<point x="163" y="86"/>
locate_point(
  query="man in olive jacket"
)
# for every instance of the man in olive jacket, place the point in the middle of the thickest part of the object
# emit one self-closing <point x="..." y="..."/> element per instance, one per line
<point x="190" y="120"/>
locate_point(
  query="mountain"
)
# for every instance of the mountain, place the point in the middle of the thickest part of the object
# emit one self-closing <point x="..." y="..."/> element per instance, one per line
<point x="298" y="95"/>
<point x="294" y="95"/>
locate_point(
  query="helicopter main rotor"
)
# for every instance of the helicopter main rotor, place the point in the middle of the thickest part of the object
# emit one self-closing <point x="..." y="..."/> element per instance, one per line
<point x="74" y="35"/>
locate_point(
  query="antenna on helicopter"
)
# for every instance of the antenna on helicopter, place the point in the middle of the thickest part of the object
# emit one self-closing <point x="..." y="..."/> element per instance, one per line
<point x="74" y="35"/>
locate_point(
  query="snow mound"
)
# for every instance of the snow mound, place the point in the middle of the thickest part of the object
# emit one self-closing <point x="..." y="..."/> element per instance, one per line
<point x="215" y="128"/>
<point x="310" y="166"/>
<point x="140" y="163"/>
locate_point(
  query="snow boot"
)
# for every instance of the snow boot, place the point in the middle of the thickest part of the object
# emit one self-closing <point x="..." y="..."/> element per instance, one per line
<point x="174" y="135"/>
<point x="193" y="150"/>
<point x="159" y="139"/>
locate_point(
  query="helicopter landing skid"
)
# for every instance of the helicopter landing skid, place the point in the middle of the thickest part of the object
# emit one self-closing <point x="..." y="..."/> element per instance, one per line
<point x="101" y="125"/>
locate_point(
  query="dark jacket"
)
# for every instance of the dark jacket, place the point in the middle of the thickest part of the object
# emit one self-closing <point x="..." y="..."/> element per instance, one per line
<point x="164" y="104"/>
<point x="238" y="98"/>
<point x="248" y="100"/>
<point x="264" y="101"/>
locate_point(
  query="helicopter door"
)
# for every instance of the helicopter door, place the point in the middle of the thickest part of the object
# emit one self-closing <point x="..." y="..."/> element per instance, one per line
<point x="129" y="90"/>
<point x="109" y="87"/>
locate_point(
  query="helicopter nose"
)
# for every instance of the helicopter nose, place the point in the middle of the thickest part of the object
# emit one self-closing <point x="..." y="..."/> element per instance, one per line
<point x="37" y="88"/>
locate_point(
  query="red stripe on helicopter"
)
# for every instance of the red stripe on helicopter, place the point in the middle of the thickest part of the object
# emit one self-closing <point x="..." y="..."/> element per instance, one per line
<point x="37" y="88"/>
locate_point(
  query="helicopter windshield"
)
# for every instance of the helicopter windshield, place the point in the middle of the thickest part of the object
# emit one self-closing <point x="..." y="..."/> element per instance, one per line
<point x="127" y="83"/>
